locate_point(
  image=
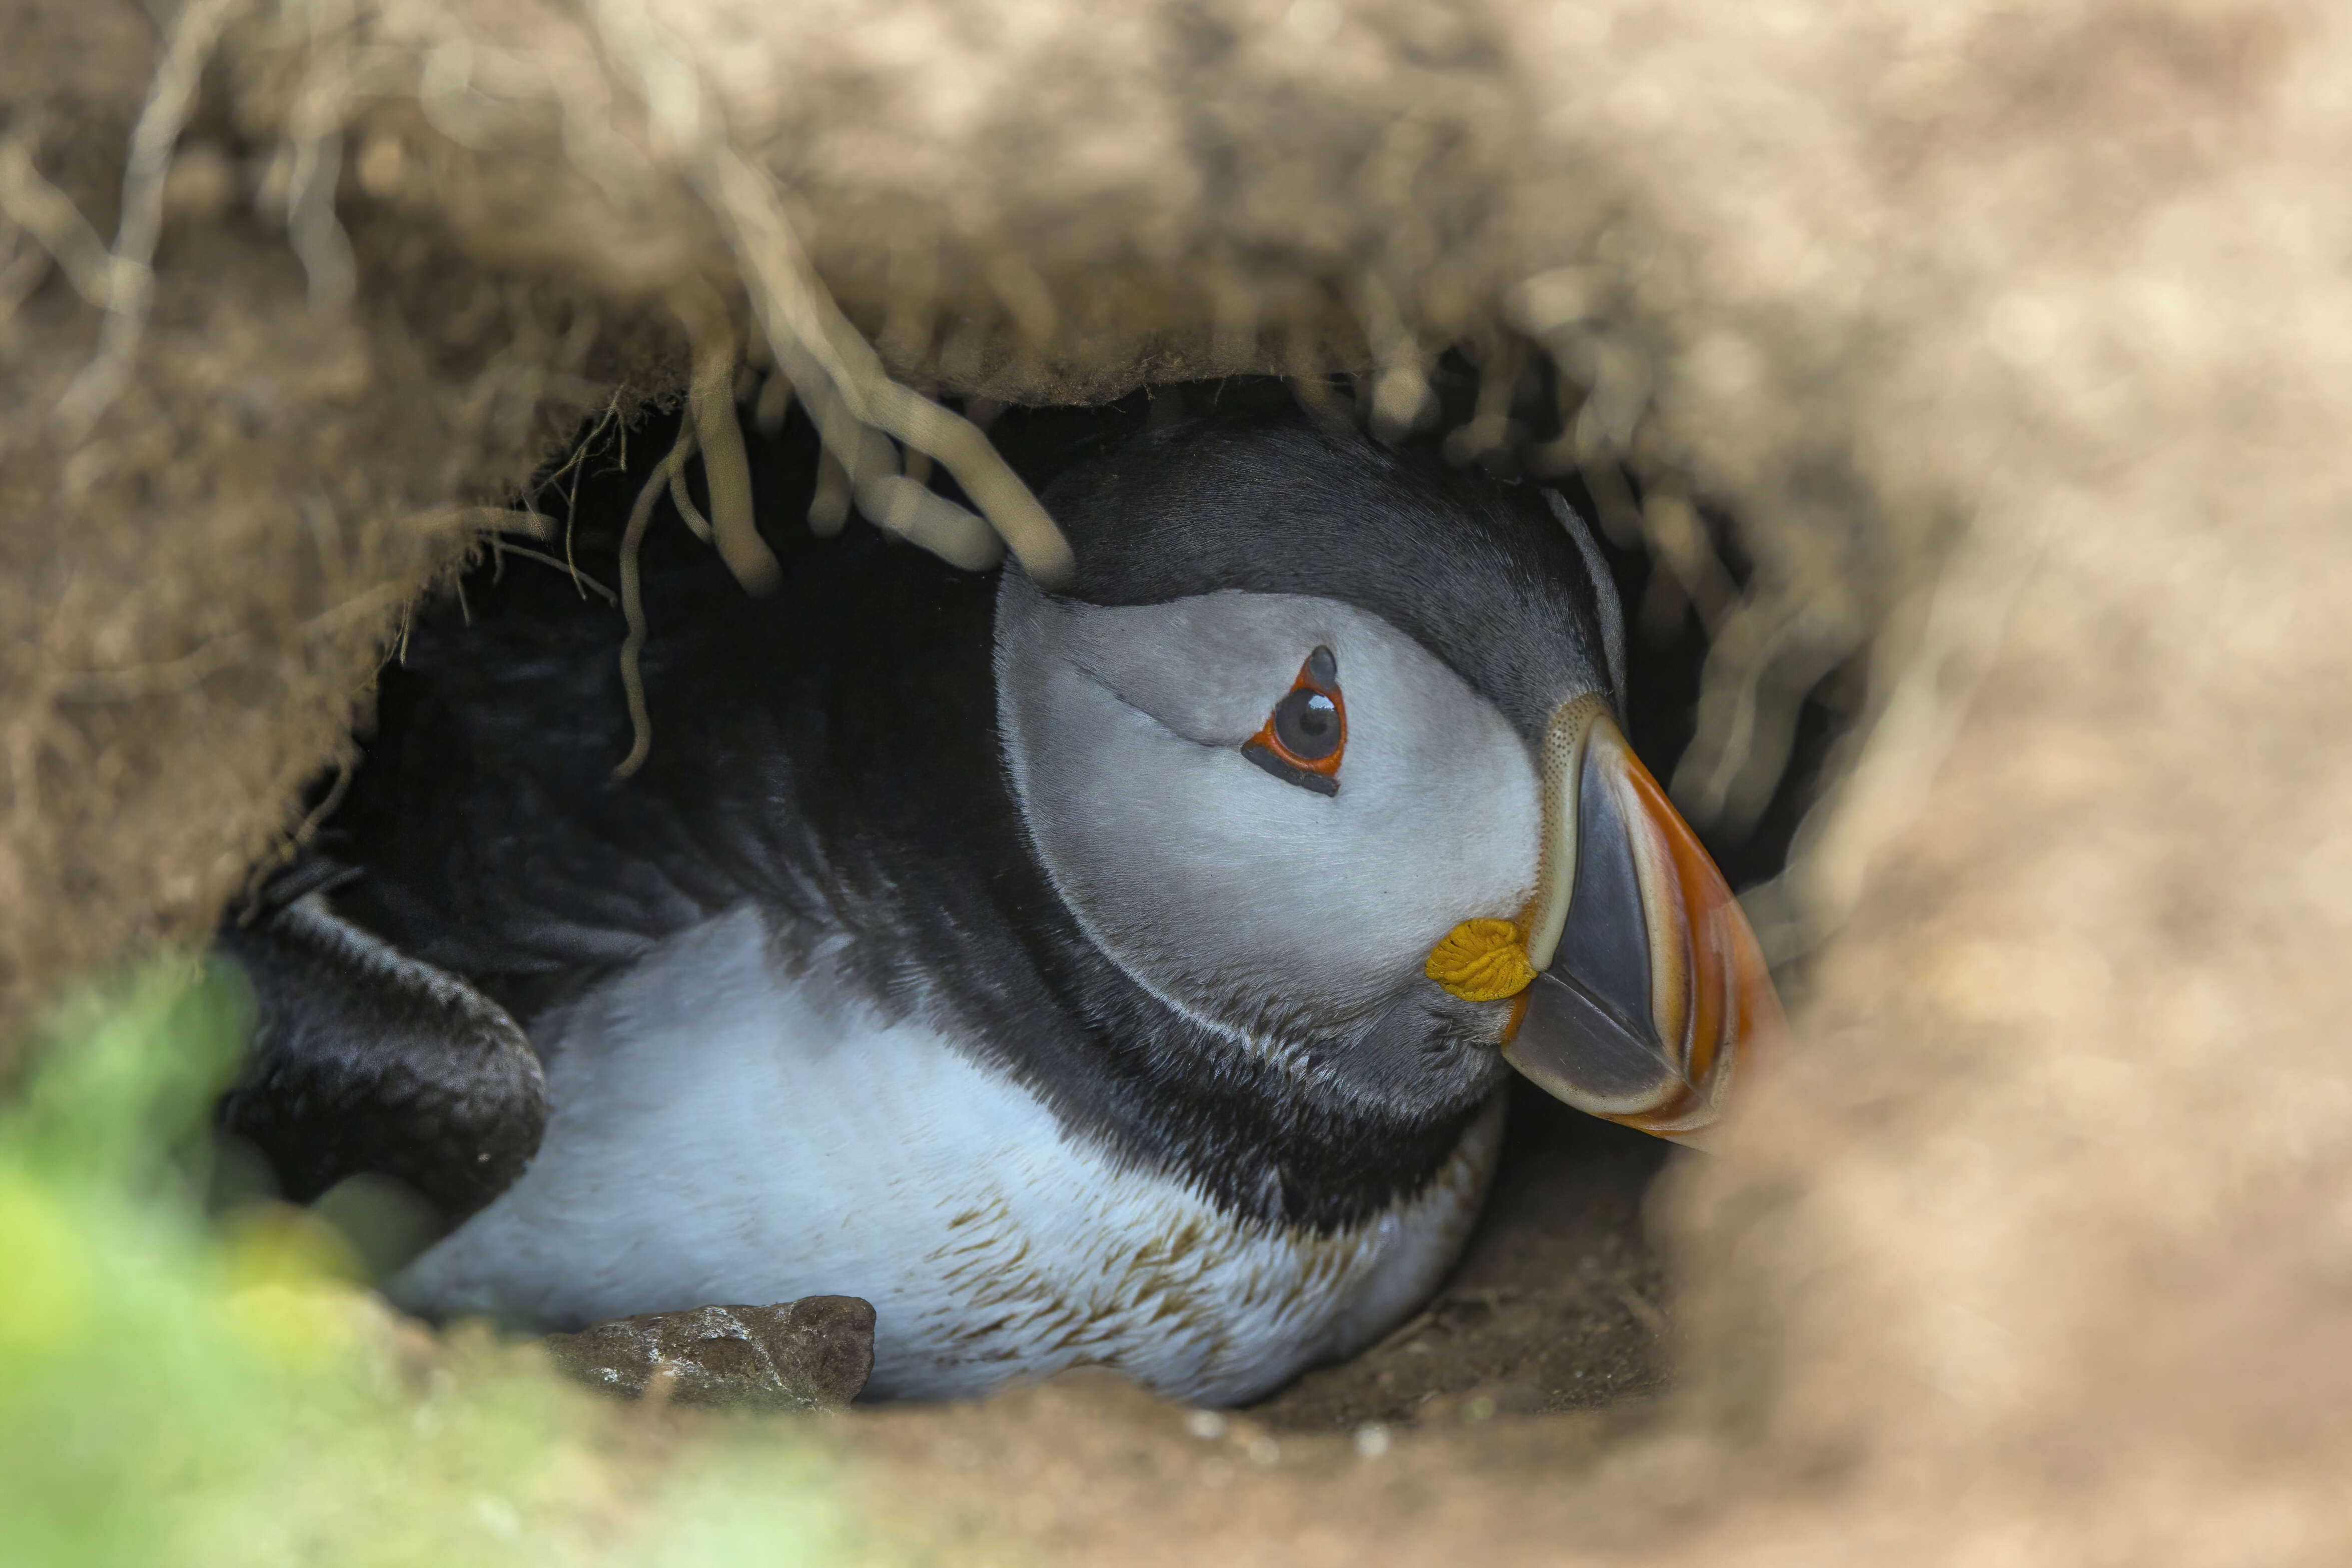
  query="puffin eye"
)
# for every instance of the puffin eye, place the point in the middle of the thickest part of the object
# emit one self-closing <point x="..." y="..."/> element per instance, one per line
<point x="1306" y="725"/>
<point x="1303" y="738"/>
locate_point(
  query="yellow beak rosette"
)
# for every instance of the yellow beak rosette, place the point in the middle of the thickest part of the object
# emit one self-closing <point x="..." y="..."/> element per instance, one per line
<point x="1481" y="961"/>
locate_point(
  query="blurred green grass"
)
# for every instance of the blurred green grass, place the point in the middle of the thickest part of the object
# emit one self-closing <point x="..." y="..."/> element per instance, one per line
<point x="185" y="1390"/>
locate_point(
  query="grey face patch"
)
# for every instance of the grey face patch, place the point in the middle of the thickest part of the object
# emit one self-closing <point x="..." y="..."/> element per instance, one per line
<point x="1279" y="915"/>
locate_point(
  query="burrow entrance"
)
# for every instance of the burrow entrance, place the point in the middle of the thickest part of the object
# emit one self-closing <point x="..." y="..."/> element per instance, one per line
<point x="1560" y="1301"/>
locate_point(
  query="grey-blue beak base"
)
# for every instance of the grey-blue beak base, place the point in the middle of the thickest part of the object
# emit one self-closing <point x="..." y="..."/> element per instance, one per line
<point x="1589" y="1035"/>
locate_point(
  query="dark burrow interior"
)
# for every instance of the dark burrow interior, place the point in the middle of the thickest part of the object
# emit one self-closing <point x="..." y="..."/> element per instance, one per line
<point x="1561" y="1299"/>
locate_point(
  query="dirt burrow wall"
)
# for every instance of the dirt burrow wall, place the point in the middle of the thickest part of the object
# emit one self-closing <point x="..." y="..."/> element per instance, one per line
<point x="2017" y="340"/>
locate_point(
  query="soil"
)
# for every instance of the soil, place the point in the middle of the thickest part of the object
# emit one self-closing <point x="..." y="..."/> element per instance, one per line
<point x="1558" y="1303"/>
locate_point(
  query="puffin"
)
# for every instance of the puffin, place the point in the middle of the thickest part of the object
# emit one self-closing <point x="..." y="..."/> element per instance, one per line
<point x="1127" y="972"/>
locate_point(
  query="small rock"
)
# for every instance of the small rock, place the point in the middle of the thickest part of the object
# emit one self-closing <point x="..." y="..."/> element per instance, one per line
<point x="810" y="1354"/>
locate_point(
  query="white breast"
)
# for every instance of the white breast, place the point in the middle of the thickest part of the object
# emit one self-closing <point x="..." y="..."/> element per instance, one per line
<point x="721" y="1134"/>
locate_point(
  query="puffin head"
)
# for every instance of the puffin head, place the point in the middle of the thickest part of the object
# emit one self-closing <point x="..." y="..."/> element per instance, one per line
<point x="1320" y="747"/>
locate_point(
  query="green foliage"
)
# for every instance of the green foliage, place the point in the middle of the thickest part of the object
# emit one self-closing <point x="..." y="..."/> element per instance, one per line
<point x="177" y="1391"/>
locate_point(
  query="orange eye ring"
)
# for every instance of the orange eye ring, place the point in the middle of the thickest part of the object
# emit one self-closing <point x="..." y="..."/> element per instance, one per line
<point x="1305" y="737"/>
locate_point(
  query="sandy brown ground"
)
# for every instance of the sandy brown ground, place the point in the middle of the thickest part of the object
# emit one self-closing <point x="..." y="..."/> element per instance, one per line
<point x="1557" y="1304"/>
<point x="1008" y="1482"/>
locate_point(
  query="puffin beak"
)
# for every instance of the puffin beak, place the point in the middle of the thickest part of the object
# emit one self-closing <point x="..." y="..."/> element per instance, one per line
<point x="1649" y="985"/>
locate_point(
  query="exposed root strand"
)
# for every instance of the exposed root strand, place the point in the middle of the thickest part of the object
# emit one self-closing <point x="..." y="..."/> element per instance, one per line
<point x="1502" y="367"/>
<point x="1402" y="399"/>
<point x="828" y="512"/>
<point x="842" y="380"/>
<point x="918" y="515"/>
<point x="576" y="464"/>
<point x="633" y="608"/>
<point x="49" y="215"/>
<point x="130" y="284"/>
<point x="725" y="468"/>
<point x="675" y="466"/>
<point x="689" y="513"/>
<point x="579" y="580"/>
<point x="1003" y="500"/>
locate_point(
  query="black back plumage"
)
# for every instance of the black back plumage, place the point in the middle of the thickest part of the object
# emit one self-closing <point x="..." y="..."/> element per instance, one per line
<point x="831" y="754"/>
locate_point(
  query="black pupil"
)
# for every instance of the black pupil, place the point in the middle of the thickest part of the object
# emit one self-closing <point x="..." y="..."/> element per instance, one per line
<point x="1306" y="722"/>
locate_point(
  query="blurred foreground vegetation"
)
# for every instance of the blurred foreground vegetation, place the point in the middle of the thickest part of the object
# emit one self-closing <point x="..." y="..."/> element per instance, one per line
<point x="191" y="1390"/>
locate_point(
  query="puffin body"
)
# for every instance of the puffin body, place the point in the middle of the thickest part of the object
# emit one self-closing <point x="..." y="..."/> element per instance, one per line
<point x="1059" y="971"/>
<point x="723" y="1133"/>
